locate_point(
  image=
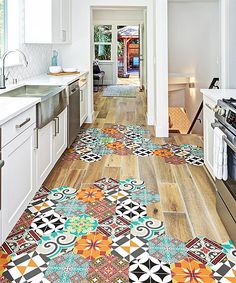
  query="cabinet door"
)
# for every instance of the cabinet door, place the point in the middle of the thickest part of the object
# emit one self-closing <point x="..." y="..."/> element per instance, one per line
<point x="44" y="153"/>
<point x="18" y="179"/>
<point x="209" y="117"/>
<point x="83" y="104"/>
<point x="60" y="139"/>
<point x="65" y="7"/>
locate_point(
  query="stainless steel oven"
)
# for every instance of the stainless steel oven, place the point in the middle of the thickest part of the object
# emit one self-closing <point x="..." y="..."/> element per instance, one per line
<point x="226" y="190"/>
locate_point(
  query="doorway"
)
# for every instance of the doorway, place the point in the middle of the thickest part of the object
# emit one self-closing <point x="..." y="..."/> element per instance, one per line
<point x="128" y="55"/>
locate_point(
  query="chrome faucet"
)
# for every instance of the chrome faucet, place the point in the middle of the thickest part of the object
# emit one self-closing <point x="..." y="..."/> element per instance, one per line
<point x="2" y="73"/>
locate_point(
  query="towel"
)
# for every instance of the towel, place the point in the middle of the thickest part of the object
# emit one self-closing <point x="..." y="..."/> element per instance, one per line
<point x="220" y="159"/>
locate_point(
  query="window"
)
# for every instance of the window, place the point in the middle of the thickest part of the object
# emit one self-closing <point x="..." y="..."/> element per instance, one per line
<point x="9" y="29"/>
<point x="103" y="42"/>
<point x="2" y="27"/>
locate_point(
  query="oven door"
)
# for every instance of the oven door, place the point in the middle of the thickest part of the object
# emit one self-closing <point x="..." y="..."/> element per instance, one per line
<point x="226" y="190"/>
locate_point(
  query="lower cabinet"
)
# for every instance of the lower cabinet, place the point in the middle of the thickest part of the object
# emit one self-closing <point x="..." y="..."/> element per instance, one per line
<point x="83" y="102"/>
<point x="52" y="142"/>
<point x="18" y="180"/>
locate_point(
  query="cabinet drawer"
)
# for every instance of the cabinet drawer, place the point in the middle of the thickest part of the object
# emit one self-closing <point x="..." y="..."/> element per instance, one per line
<point x="17" y="125"/>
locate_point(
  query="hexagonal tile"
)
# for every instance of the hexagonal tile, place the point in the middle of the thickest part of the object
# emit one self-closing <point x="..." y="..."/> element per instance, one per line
<point x="90" y="194"/>
<point x="131" y="210"/>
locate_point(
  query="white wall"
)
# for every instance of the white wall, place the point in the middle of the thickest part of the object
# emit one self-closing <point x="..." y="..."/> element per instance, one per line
<point x="194" y="46"/>
<point x="38" y="55"/>
<point x="228" y="43"/>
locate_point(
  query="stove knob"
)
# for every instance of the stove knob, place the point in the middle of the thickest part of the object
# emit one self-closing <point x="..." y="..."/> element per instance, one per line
<point x="221" y="111"/>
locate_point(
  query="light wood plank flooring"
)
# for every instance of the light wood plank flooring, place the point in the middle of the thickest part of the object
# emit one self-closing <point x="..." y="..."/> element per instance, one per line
<point x="187" y="193"/>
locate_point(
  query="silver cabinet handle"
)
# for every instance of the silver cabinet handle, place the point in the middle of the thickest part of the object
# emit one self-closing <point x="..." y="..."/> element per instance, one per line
<point x="36" y="138"/>
<point x="55" y="126"/>
<point x="22" y="124"/>
<point x="63" y="35"/>
<point x="1" y="163"/>
<point x="81" y="96"/>
<point x="58" y="125"/>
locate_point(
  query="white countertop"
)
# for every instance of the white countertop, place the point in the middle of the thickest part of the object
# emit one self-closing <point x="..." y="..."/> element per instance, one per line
<point x="10" y="107"/>
<point x="216" y="94"/>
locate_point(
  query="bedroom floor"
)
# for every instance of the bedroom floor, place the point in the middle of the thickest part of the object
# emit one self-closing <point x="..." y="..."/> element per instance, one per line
<point x="124" y="217"/>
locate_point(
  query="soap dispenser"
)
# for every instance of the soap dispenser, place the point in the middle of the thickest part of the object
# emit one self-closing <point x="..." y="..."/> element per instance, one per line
<point x="54" y="58"/>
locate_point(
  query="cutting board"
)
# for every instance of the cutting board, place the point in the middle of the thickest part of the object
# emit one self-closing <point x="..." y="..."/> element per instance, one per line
<point x="63" y="74"/>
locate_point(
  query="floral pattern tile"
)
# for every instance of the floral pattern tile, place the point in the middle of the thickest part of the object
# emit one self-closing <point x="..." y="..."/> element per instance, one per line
<point x="71" y="207"/>
<point x="110" y="269"/>
<point x="93" y="143"/>
<point x="101" y="209"/>
<point x="147" y="228"/>
<point x="106" y="184"/>
<point x="114" y="226"/>
<point x="4" y="260"/>
<point x="167" y="249"/>
<point x="55" y="244"/>
<point x="81" y="225"/>
<point x="69" y="267"/>
<point x="93" y="246"/>
<point x="190" y="271"/>
<point x="205" y="250"/>
<point x="131" y="185"/>
<point x="90" y="195"/>
<point x="146" y="197"/>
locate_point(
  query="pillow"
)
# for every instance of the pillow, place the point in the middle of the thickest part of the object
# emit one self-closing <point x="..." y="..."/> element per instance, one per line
<point x="96" y="69"/>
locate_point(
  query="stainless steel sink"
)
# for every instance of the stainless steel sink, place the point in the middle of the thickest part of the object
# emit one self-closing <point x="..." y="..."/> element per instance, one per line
<point x="54" y="100"/>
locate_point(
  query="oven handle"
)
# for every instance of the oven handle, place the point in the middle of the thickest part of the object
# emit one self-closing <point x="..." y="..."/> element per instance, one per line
<point x="229" y="143"/>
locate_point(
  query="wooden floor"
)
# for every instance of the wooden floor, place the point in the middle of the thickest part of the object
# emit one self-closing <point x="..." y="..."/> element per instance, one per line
<point x="187" y="194"/>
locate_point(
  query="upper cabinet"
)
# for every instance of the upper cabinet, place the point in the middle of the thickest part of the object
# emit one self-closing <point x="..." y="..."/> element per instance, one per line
<point x="48" y="21"/>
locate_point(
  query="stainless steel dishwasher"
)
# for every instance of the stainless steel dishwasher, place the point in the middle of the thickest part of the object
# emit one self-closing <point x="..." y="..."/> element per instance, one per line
<point x="73" y="112"/>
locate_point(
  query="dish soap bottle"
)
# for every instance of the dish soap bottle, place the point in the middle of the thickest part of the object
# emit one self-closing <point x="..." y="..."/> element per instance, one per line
<point x="54" y="57"/>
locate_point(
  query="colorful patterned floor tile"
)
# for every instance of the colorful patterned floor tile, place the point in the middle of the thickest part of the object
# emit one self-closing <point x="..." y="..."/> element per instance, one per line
<point x="131" y="210"/>
<point x="62" y="193"/>
<point x="21" y="242"/>
<point x="4" y="260"/>
<point x="129" y="247"/>
<point x="67" y="268"/>
<point x="114" y="226"/>
<point x="117" y="196"/>
<point x="225" y="272"/>
<point x="205" y="251"/>
<point x="145" y="196"/>
<point x="23" y="223"/>
<point x="81" y="225"/>
<point x="142" y="152"/>
<point x="191" y="271"/>
<point x="162" y="152"/>
<point x="106" y="184"/>
<point x="149" y="270"/>
<point x="131" y="185"/>
<point x="42" y="193"/>
<point x="231" y="255"/>
<point x="228" y="246"/>
<point x="55" y="244"/>
<point x="101" y="209"/>
<point x="90" y="195"/>
<point x="48" y="223"/>
<point x="175" y="160"/>
<point x="109" y="269"/>
<point x="167" y="249"/>
<point x="195" y="160"/>
<point x="147" y="228"/>
<point x="90" y="157"/>
<point x="28" y="267"/>
<point x="40" y="206"/>
<point x="71" y="207"/>
<point x="93" y="246"/>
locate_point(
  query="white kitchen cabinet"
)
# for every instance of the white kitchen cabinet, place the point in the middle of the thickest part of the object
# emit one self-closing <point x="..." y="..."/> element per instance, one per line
<point x="51" y="143"/>
<point x="48" y="21"/>
<point x="18" y="179"/>
<point x="60" y="138"/>
<point x="208" y="118"/>
<point x="83" y="100"/>
<point x="44" y="152"/>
